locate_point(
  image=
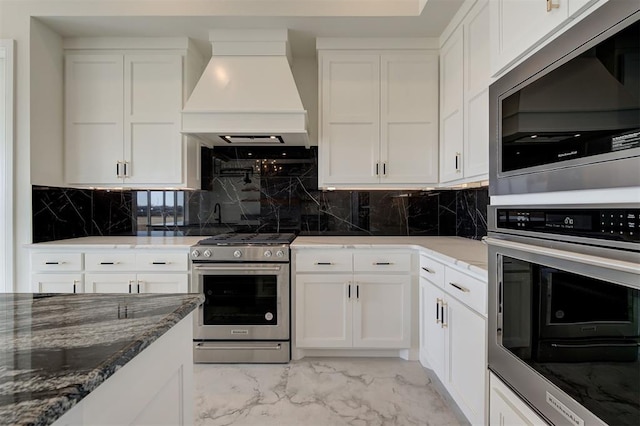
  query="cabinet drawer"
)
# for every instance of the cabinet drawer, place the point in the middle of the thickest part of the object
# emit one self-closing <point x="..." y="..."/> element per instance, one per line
<point x="56" y="261"/>
<point x="468" y="290"/>
<point x="432" y="270"/>
<point x="160" y="261"/>
<point x="336" y="260"/>
<point x="110" y="261"/>
<point x="381" y="261"/>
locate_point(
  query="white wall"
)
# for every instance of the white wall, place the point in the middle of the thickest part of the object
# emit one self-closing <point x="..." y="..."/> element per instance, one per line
<point x="6" y="165"/>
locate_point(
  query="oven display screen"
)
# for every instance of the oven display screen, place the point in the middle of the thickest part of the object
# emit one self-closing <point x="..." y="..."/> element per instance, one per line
<point x="579" y="332"/>
<point x="580" y="222"/>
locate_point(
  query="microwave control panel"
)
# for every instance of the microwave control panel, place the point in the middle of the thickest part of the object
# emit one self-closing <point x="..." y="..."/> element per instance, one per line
<point x="614" y="224"/>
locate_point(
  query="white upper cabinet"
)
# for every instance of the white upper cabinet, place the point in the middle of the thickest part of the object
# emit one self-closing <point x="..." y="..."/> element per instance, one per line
<point x="123" y="117"/>
<point x="464" y="102"/>
<point x="518" y="27"/>
<point x="378" y="118"/>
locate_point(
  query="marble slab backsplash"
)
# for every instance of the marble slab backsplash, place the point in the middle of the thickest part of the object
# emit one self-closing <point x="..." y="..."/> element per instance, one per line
<point x="258" y="190"/>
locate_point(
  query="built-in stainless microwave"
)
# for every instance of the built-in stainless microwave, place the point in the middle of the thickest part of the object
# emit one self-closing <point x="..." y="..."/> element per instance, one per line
<point x="568" y="117"/>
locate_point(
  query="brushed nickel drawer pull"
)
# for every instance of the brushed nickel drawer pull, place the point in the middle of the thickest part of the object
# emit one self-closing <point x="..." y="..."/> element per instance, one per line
<point x="459" y="287"/>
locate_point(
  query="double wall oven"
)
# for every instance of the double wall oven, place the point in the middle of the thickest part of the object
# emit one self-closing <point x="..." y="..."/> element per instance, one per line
<point x="564" y="279"/>
<point x="245" y="279"/>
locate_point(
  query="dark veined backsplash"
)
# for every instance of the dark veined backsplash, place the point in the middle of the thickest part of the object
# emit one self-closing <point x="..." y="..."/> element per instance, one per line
<point x="258" y="190"/>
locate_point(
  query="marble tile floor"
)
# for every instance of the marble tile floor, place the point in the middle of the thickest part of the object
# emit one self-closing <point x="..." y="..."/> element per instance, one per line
<point x="320" y="392"/>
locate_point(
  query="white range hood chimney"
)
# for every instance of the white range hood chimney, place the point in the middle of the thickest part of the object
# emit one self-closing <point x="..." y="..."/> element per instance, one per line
<point x="247" y="94"/>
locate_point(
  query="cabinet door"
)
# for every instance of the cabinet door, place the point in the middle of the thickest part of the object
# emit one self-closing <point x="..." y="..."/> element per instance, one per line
<point x="349" y="145"/>
<point x="111" y="283"/>
<point x="163" y="283"/>
<point x="93" y="118"/>
<point x="409" y="118"/>
<point x="466" y="361"/>
<point x="476" y="87"/>
<point x="324" y="310"/>
<point x="152" y="140"/>
<point x="506" y="409"/>
<point x="517" y="26"/>
<point x="432" y="330"/>
<point x="382" y="311"/>
<point x="451" y="107"/>
<point x="56" y="283"/>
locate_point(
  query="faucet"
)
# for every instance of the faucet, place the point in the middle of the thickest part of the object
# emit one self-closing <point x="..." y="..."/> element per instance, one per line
<point x="218" y="209"/>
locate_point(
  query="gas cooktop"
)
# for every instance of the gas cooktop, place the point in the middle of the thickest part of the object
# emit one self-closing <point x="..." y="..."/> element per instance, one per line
<point x="248" y="239"/>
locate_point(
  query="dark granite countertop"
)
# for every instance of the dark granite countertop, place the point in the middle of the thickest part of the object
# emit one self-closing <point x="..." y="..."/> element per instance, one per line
<point x="57" y="348"/>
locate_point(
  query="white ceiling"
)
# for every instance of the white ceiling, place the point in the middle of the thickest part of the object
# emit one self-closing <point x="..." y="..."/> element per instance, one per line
<point x="305" y="19"/>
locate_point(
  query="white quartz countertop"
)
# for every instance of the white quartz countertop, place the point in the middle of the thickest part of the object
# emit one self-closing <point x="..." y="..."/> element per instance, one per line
<point x="120" y="242"/>
<point x="463" y="252"/>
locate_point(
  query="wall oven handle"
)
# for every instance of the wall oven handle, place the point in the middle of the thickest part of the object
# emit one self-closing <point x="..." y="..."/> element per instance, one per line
<point x="594" y="345"/>
<point x="203" y="346"/>
<point x="236" y="268"/>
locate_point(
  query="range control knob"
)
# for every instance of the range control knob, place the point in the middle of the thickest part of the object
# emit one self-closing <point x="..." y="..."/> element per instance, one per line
<point x="237" y="253"/>
<point x="279" y="253"/>
<point x="267" y="253"/>
<point x="207" y="253"/>
<point x="195" y="253"/>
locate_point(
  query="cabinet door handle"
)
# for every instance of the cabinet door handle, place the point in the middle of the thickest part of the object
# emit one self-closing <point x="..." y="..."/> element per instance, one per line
<point x="377" y="169"/>
<point x="75" y="282"/>
<point x="382" y="263"/>
<point x="160" y="263"/>
<point x="324" y="263"/>
<point x="131" y="286"/>
<point x="458" y="162"/>
<point x="438" y="311"/>
<point x="551" y="5"/>
<point x="53" y="263"/>
<point x="109" y="263"/>
<point x="428" y="270"/>
<point x="125" y="168"/>
<point x="358" y="292"/>
<point x="461" y="288"/>
<point x="349" y="291"/>
<point x="139" y="282"/>
<point x="384" y="169"/>
<point x="118" y="169"/>
<point x="442" y="308"/>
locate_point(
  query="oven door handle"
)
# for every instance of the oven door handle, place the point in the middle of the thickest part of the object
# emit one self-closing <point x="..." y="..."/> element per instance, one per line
<point x="236" y="268"/>
<point x="203" y="346"/>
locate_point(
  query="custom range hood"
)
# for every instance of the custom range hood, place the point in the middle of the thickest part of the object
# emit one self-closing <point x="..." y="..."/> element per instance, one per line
<point x="247" y="94"/>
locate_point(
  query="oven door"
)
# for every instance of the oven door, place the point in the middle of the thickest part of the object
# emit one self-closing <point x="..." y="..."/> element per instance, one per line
<point x="564" y="328"/>
<point x="243" y="301"/>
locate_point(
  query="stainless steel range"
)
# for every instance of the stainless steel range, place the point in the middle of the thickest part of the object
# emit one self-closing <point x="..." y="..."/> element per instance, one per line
<point x="245" y="279"/>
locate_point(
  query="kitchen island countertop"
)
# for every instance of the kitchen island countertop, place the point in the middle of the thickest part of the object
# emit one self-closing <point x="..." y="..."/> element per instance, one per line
<point x="57" y="348"/>
<point x="463" y="252"/>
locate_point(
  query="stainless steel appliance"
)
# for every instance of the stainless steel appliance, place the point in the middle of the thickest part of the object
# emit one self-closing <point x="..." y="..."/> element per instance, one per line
<point x="568" y="117"/>
<point x="245" y="279"/>
<point x="564" y="310"/>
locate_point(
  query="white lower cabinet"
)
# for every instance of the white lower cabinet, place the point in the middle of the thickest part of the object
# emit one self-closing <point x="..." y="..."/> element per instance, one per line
<point x="350" y="306"/>
<point x="453" y="340"/>
<point x="506" y="409"/>
<point x="110" y="271"/>
<point x="56" y="283"/>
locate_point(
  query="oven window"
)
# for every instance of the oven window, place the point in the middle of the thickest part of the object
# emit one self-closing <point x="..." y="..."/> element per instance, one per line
<point x="240" y="300"/>
<point x="588" y="106"/>
<point x="580" y="333"/>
